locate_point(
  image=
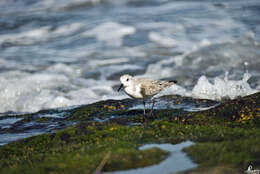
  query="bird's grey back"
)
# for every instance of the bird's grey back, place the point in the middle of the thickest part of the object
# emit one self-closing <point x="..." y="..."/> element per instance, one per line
<point x="151" y="87"/>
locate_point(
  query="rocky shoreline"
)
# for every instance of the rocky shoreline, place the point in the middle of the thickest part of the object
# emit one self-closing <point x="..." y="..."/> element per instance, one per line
<point x="226" y="137"/>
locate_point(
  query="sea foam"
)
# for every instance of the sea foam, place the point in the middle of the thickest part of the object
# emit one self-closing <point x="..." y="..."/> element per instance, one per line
<point x="222" y="88"/>
<point x="219" y="89"/>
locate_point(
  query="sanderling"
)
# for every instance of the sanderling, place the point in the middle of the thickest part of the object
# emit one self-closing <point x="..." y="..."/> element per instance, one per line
<point x="142" y="88"/>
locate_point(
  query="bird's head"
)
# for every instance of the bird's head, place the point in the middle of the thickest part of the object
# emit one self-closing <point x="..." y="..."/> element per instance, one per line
<point x="125" y="81"/>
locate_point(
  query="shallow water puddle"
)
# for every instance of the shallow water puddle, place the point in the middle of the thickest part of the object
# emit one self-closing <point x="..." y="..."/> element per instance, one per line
<point x="176" y="162"/>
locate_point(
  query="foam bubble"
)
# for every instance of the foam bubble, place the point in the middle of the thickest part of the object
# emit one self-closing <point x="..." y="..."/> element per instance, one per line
<point x="60" y="68"/>
<point x="116" y="33"/>
<point x="103" y="62"/>
<point x="64" y="4"/>
<point x="218" y="90"/>
<point x="29" y="93"/>
<point x="40" y="34"/>
<point x="222" y="88"/>
<point x="67" y="29"/>
<point x="59" y="85"/>
<point x="162" y="40"/>
<point x="26" y="37"/>
<point x="174" y="90"/>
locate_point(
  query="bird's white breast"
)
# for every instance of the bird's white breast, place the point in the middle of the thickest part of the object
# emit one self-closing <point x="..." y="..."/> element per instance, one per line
<point x="134" y="91"/>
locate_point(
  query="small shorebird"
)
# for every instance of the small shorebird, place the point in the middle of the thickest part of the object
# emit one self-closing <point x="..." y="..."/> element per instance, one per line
<point x="142" y="88"/>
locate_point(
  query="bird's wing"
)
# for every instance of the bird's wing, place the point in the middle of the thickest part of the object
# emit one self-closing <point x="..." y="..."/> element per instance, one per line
<point x="151" y="87"/>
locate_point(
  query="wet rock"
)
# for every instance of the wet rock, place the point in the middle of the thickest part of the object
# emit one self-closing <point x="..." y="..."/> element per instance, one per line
<point x="228" y="134"/>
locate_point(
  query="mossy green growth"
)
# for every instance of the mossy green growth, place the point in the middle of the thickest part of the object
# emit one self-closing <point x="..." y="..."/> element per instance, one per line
<point x="78" y="150"/>
<point x="237" y="153"/>
<point x="220" y="139"/>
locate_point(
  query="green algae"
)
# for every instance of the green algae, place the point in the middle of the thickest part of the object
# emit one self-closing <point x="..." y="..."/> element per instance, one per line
<point x="221" y="134"/>
<point x="65" y="151"/>
<point x="239" y="152"/>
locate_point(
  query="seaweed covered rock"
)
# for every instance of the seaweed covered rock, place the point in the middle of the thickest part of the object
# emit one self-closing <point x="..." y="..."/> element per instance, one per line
<point x="226" y="135"/>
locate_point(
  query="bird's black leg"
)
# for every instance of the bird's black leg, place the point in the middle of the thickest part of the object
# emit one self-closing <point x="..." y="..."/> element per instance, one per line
<point x="144" y="106"/>
<point x="153" y="101"/>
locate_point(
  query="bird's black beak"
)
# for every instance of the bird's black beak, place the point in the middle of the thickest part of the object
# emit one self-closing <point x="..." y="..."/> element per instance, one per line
<point x="120" y="87"/>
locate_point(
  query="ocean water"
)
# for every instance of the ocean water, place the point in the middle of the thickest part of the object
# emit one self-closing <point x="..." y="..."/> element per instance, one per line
<point x="62" y="53"/>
